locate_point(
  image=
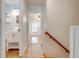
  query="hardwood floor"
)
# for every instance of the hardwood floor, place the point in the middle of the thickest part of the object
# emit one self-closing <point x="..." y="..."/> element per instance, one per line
<point x="34" y="49"/>
<point x="12" y="53"/>
<point x="15" y="54"/>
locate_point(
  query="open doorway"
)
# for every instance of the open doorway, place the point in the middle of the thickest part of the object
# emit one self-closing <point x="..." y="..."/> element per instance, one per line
<point x="22" y="25"/>
<point x="35" y="28"/>
<point x="34" y="20"/>
<point x="35" y="10"/>
<point x="12" y="31"/>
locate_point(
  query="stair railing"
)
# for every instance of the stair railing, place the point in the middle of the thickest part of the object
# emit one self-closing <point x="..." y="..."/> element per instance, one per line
<point x="57" y="42"/>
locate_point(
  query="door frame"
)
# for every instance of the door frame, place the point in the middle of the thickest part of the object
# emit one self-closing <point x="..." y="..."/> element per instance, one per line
<point x="3" y="51"/>
<point x="3" y="29"/>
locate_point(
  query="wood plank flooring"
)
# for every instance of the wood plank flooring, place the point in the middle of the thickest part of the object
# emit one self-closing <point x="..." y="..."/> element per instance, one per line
<point x="12" y="53"/>
<point x="34" y="49"/>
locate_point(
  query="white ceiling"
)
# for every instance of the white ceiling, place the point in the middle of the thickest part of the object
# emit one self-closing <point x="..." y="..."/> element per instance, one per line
<point x="12" y="1"/>
<point x="31" y="2"/>
<point x="35" y="2"/>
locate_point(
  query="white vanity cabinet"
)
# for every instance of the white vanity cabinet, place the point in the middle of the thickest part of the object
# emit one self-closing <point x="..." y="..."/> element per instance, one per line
<point x="12" y="40"/>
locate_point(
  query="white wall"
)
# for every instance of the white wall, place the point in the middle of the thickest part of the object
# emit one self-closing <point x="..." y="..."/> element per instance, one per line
<point x="0" y="28"/>
<point x="53" y="50"/>
<point x="23" y="24"/>
<point x="61" y="14"/>
<point x="3" y="28"/>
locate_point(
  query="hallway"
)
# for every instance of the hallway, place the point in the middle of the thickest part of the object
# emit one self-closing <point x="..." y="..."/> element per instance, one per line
<point x="34" y="50"/>
<point x="37" y="28"/>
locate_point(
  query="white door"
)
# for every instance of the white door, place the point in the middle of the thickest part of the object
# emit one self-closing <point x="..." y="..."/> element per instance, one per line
<point x="74" y="42"/>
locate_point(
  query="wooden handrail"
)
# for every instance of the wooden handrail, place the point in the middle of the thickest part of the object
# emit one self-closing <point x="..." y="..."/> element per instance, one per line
<point x="57" y="42"/>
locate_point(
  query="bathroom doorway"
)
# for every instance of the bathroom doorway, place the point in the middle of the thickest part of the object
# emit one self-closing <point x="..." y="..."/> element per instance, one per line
<point x="12" y="31"/>
<point x="22" y="26"/>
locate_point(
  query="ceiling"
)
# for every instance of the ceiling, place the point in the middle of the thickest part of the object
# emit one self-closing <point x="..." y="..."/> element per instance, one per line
<point x="35" y="2"/>
<point x="12" y="1"/>
<point x="30" y="2"/>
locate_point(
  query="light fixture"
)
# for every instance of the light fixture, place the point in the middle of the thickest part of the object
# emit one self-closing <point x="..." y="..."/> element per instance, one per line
<point x="15" y="12"/>
<point x="37" y="16"/>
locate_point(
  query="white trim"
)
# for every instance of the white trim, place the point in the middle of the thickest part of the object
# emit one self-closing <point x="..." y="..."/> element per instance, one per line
<point x="3" y="28"/>
<point x="71" y="41"/>
<point x="21" y="51"/>
<point x="24" y="50"/>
